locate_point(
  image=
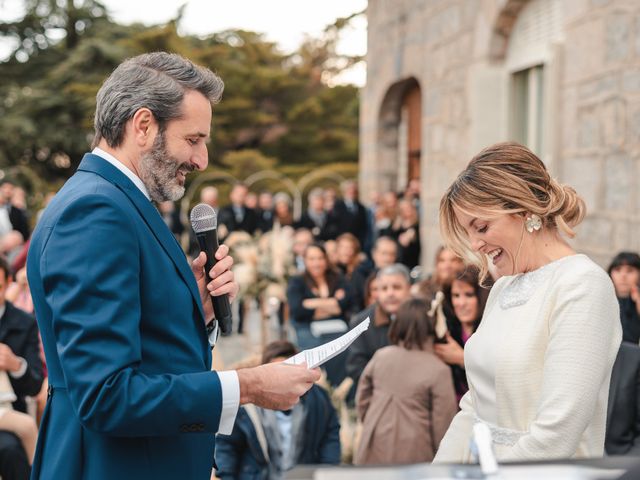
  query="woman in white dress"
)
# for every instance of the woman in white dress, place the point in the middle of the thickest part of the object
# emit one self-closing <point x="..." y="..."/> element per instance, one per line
<point x="540" y="362"/>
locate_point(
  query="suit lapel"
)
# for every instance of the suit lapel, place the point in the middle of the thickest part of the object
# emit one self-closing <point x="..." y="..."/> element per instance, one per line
<point x="151" y="216"/>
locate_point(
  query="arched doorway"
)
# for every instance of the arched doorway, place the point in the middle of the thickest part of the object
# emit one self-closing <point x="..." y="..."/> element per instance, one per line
<point x="400" y="135"/>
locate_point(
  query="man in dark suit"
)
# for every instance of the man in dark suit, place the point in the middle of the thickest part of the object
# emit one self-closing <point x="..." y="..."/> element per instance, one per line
<point x="236" y="216"/>
<point x="124" y="319"/>
<point x="315" y="218"/>
<point x="623" y="411"/>
<point x="265" y="212"/>
<point x="394" y="288"/>
<point x="350" y="214"/>
<point x="20" y="357"/>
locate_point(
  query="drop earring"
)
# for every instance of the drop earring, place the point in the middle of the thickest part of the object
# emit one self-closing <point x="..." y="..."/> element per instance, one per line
<point x="533" y="222"/>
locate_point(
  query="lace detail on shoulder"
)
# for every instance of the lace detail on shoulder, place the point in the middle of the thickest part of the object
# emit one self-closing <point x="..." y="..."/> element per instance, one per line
<point x="523" y="286"/>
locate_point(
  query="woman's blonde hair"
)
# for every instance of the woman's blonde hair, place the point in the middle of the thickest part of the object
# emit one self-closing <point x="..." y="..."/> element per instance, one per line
<point x="506" y="178"/>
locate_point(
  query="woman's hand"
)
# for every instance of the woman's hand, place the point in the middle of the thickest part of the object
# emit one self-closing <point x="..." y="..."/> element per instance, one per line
<point x="407" y="237"/>
<point x="450" y="352"/>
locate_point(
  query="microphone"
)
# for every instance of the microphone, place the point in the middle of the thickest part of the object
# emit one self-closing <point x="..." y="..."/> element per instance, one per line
<point x="204" y="222"/>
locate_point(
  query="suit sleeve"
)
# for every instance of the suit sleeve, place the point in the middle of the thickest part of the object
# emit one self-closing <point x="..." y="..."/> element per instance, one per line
<point x="295" y="297"/>
<point x="91" y="272"/>
<point x="345" y="302"/>
<point x="31" y="382"/>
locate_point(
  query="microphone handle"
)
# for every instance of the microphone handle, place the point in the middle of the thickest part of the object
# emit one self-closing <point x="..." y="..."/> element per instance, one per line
<point x="208" y="241"/>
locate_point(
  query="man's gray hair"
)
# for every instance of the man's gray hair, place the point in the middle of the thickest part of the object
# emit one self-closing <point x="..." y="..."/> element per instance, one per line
<point x="157" y="81"/>
<point x="395" y="269"/>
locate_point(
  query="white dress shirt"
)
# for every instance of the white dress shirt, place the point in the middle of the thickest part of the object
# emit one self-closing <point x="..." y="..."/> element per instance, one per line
<point x="229" y="382"/>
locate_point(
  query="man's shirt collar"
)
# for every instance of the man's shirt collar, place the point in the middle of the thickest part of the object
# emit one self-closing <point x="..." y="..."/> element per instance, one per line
<point x="123" y="168"/>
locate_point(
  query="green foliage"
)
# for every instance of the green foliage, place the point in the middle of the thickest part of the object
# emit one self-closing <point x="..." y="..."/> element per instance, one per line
<point x="242" y="163"/>
<point x="278" y="111"/>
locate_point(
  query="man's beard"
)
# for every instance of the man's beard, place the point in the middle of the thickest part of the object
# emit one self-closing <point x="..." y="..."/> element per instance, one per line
<point x="159" y="172"/>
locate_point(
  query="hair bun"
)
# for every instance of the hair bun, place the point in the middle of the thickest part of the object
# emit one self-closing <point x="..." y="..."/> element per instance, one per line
<point x="566" y="207"/>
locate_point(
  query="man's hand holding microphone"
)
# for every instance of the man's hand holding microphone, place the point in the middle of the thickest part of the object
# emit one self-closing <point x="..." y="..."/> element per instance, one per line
<point x="277" y="386"/>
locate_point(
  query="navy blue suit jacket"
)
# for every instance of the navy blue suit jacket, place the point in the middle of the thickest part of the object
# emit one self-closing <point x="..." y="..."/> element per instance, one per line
<point x="123" y="331"/>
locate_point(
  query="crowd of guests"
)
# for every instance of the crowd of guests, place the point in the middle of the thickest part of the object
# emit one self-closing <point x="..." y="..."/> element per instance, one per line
<point x="399" y="383"/>
<point x="405" y="375"/>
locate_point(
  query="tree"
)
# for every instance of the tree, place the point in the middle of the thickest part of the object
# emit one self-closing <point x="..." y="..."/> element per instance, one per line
<point x="276" y="104"/>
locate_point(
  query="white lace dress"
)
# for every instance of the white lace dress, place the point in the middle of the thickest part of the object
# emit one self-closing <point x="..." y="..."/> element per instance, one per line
<point x="539" y="365"/>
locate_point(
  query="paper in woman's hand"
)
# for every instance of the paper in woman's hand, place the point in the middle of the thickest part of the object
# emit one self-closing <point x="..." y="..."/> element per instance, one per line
<point x="319" y="355"/>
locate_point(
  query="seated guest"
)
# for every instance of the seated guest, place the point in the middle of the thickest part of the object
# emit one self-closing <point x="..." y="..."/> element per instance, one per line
<point x="625" y="275"/>
<point x="282" y="215"/>
<point x="20" y="350"/>
<point x="383" y="254"/>
<point x="350" y="214"/>
<point x="405" y="229"/>
<point x="387" y="212"/>
<point x="20" y="424"/>
<point x="371" y="290"/>
<point x="466" y="299"/>
<point x="348" y="254"/>
<point x="265" y="212"/>
<point x="447" y="266"/>
<point x="236" y="216"/>
<point x="266" y="443"/>
<point x="623" y="410"/>
<point x="302" y="238"/>
<point x="320" y="293"/>
<point x="315" y="218"/>
<point x="394" y="285"/>
<point x="405" y="397"/>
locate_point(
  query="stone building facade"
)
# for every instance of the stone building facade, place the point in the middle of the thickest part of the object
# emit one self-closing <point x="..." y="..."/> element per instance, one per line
<point x="447" y="77"/>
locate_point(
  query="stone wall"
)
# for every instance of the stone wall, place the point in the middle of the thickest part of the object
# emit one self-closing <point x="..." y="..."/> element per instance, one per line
<point x="455" y="50"/>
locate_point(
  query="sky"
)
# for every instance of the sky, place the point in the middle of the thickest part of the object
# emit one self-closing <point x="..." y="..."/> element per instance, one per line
<point x="283" y="21"/>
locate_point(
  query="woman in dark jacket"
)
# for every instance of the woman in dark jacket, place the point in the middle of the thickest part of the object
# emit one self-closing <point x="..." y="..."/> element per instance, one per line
<point x="464" y="300"/>
<point x="318" y="295"/>
<point x="625" y="275"/>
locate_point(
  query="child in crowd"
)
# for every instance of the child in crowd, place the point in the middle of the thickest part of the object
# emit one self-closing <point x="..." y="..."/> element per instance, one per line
<point x="405" y="396"/>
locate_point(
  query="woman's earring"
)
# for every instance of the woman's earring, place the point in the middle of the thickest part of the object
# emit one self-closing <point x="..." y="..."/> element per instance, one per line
<point x="533" y="222"/>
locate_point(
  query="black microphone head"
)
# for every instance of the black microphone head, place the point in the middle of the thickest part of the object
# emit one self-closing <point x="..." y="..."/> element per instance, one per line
<point x="203" y="218"/>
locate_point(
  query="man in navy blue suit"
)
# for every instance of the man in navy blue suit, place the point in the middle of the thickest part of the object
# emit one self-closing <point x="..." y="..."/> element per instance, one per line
<point x="121" y="313"/>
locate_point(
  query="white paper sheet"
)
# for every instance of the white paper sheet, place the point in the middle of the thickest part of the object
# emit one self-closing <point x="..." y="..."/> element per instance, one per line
<point x="318" y="355"/>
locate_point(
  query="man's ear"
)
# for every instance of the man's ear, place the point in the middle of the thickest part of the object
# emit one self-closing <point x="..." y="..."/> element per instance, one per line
<point x="145" y="127"/>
